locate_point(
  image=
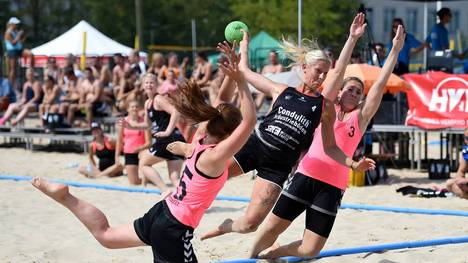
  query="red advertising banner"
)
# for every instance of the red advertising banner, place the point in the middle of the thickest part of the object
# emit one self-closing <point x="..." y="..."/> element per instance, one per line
<point x="437" y="100"/>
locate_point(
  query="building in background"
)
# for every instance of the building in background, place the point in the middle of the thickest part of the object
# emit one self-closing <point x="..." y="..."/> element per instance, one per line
<point x="381" y="13"/>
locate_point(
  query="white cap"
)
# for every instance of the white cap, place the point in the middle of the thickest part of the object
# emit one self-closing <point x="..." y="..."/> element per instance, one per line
<point x="14" y="20"/>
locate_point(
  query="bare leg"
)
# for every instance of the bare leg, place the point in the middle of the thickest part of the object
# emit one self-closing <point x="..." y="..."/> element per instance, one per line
<point x="12" y="108"/>
<point x="71" y="113"/>
<point x="89" y="170"/>
<point x="309" y="246"/>
<point x="264" y="196"/>
<point x="26" y="109"/>
<point x="111" y="171"/>
<point x="268" y="235"/>
<point x="132" y="173"/>
<point x="458" y="186"/>
<point x="146" y="161"/>
<point x="95" y="221"/>
<point x="174" y="167"/>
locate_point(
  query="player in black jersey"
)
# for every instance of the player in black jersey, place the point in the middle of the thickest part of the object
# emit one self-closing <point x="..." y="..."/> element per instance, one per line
<point x="161" y="117"/>
<point x="287" y="130"/>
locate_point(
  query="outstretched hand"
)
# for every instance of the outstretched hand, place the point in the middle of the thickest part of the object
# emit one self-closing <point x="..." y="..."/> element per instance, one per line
<point x="399" y="39"/>
<point x="364" y="164"/>
<point x="358" y="27"/>
<point x="230" y="68"/>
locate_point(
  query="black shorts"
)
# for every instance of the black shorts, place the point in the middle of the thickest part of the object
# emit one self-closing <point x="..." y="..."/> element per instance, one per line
<point x="131" y="158"/>
<point x="320" y="200"/>
<point x="158" y="148"/>
<point x="271" y="164"/>
<point x="169" y="239"/>
<point x="105" y="163"/>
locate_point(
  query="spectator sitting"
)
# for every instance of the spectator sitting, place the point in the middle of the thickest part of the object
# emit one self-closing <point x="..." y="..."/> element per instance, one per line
<point x="273" y="67"/>
<point x="30" y="100"/>
<point x="173" y="64"/>
<point x="7" y="94"/>
<point x="127" y="89"/>
<point x="169" y="85"/>
<point x="71" y="62"/>
<point x="157" y="64"/>
<point x="136" y="63"/>
<point x="118" y="72"/>
<point x="51" y="100"/>
<point x="90" y="91"/>
<point x="104" y="149"/>
<point x="69" y="93"/>
<point x="51" y="69"/>
<point x="202" y="72"/>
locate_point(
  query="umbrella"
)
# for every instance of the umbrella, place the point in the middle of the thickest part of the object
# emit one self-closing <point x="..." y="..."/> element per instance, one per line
<point x="369" y="74"/>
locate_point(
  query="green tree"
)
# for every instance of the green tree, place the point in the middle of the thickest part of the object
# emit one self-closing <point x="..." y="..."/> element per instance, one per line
<point x="326" y="20"/>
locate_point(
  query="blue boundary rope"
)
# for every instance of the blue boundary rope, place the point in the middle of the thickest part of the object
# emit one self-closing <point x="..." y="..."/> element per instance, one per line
<point x="368" y="249"/>
<point x="246" y="200"/>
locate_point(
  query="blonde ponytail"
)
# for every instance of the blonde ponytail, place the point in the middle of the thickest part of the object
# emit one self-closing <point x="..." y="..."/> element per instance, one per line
<point x="308" y="53"/>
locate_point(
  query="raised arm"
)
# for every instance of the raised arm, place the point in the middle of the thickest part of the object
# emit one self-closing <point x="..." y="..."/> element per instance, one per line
<point x="329" y="143"/>
<point x="227" y="89"/>
<point x="357" y="29"/>
<point x="374" y="97"/>
<point x="260" y="82"/>
<point x="234" y="142"/>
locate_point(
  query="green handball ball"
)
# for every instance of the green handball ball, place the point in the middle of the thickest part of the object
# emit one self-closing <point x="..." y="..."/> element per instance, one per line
<point x="233" y="31"/>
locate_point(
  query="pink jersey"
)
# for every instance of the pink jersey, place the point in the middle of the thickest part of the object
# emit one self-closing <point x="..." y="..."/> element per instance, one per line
<point x="132" y="139"/>
<point x="196" y="191"/>
<point x="317" y="164"/>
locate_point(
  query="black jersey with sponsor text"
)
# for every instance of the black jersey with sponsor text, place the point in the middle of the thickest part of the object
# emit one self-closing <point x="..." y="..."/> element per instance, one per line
<point x="291" y="123"/>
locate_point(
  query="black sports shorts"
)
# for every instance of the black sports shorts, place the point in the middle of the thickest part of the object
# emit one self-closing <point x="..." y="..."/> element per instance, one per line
<point x="320" y="200"/>
<point x="169" y="239"/>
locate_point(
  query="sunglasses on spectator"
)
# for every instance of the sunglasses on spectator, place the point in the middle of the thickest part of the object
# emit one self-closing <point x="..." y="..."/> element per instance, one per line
<point x="466" y="138"/>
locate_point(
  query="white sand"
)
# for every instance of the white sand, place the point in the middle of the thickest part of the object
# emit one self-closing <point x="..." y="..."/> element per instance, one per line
<point x="33" y="228"/>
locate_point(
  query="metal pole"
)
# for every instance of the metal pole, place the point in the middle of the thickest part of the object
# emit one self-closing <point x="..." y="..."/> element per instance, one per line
<point x="194" y="39"/>
<point x="299" y="22"/>
<point x="139" y="24"/>
<point x="425" y="37"/>
<point x="418" y="167"/>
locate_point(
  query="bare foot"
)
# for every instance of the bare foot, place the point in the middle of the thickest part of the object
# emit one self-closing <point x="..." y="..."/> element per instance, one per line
<point x="165" y="194"/>
<point x="221" y="230"/>
<point x="58" y="192"/>
<point x="269" y="252"/>
<point x="180" y="148"/>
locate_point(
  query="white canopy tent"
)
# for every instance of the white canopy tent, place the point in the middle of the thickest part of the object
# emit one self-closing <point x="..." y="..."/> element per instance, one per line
<point x="71" y="42"/>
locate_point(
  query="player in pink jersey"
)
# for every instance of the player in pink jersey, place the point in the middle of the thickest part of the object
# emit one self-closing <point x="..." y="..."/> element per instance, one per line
<point x="132" y="142"/>
<point x="319" y="182"/>
<point x="168" y="226"/>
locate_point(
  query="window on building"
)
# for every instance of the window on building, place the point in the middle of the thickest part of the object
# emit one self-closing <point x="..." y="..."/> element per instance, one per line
<point x="412" y="21"/>
<point x="389" y="15"/>
<point x="455" y="23"/>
